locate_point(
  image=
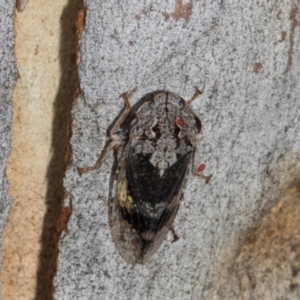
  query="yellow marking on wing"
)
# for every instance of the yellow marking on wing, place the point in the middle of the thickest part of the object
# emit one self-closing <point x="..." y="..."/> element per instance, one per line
<point x="129" y="202"/>
<point x="125" y="200"/>
<point x="122" y="193"/>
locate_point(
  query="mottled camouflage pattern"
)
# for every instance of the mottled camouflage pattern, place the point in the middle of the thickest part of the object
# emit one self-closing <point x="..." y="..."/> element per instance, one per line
<point x="156" y="143"/>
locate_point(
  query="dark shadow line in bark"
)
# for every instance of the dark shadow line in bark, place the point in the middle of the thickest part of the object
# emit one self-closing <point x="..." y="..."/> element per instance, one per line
<point x="59" y="144"/>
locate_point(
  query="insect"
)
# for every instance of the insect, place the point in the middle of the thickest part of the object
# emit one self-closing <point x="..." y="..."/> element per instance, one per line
<point x="155" y="142"/>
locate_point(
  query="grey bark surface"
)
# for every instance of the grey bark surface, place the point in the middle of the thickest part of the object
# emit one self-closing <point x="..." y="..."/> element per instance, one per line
<point x="8" y="76"/>
<point x="239" y="237"/>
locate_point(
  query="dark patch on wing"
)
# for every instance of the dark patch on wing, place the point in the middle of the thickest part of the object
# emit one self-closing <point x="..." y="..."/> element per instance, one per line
<point x="152" y="195"/>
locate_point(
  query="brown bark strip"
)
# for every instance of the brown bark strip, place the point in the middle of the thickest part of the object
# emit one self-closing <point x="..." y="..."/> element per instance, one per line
<point x="294" y="24"/>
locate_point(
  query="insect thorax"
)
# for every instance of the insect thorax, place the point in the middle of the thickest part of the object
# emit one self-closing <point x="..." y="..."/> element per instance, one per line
<point x="165" y="130"/>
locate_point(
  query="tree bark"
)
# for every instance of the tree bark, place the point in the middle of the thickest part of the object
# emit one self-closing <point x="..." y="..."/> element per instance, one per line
<point x="239" y="234"/>
<point x="8" y="77"/>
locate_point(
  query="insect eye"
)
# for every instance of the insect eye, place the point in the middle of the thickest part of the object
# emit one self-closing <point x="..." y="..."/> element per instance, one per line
<point x="180" y="122"/>
<point x="131" y="121"/>
<point x="197" y="123"/>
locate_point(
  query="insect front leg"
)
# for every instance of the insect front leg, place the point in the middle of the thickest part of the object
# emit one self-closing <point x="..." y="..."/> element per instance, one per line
<point x="125" y="96"/>
<point x="116" y="137"/>
<point x="197" y="93"/>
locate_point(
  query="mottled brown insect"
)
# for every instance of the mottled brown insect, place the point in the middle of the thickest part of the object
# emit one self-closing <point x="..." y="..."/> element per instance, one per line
<point x="155" y="142"/>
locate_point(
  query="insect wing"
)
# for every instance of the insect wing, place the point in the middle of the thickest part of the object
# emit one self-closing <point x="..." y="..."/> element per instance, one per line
<point x="144" y="205"/>
<point x="154" y="222"/>
<point x="153" y="195"/>
<point x="126" y="240"/>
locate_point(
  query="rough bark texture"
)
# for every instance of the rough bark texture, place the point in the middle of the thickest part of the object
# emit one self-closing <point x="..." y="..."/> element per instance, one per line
<point x="45" y="49"/>
<point x="239" y="237"/>
<point x="8" y="76"/>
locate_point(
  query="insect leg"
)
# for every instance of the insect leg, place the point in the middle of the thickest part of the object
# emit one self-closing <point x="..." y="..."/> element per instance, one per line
<point x="175" y="236"/>
<point x="196" y="94"/>
<point x="116" y="139"/>
<point x="205" y="177"/>
<point x="106" y="151"/>
<point x="126" y="96"/>
<point x="198" y="169"/>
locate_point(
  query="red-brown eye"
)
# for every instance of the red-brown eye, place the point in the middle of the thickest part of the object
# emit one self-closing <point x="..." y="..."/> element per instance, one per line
<point x="131" y="121"/>
<point x="180" y="122"/>
<point x="197" y="123"/>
